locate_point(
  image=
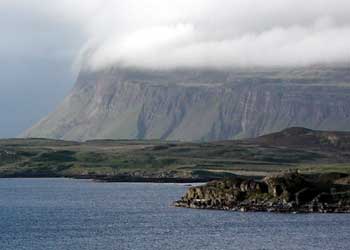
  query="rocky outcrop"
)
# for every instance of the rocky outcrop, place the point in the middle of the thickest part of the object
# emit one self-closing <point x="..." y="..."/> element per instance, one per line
<point x="199" y="104"/>
<point x="290" y="192"/>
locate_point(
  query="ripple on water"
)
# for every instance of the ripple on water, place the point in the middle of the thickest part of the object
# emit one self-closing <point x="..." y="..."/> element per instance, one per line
<point x="44" y="214"/>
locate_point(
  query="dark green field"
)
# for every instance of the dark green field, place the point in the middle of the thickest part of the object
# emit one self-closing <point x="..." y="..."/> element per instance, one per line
<point x="296" y="148"/>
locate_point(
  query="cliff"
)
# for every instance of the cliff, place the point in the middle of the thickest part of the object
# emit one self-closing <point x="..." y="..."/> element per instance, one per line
<point x="289" y="192"/>
<point x="199" y="104"/>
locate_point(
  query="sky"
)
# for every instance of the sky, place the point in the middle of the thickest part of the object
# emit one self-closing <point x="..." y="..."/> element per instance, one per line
<point x="44" y="44"/>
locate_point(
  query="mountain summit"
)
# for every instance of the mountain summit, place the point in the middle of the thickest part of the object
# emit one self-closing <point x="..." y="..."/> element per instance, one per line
<point x="197" y="104"/>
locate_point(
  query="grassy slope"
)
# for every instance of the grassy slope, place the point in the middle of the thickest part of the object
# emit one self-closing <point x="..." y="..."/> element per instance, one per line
<point x="40" y="157"/>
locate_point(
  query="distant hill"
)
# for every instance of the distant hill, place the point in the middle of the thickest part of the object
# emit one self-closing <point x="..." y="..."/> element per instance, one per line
<point x="303" y="137"/>
<point x="199" y="105"/>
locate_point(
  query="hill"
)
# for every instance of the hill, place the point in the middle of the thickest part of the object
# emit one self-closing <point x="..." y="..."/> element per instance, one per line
<point x="302" y="137"/>
<point x="156" y="160"/>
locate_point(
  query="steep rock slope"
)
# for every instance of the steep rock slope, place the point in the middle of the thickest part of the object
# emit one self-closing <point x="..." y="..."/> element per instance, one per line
<point x="199" y="104"/>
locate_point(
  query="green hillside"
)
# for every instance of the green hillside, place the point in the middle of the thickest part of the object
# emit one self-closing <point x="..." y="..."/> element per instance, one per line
<point x="313" y="151"/>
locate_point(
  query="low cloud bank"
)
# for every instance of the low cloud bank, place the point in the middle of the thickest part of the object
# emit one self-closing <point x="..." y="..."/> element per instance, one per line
<point x="162" y="34"/>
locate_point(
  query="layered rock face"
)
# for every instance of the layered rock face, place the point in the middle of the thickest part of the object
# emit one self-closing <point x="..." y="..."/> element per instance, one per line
<point x="199" y="105"/>
<point x="289" y="192"/>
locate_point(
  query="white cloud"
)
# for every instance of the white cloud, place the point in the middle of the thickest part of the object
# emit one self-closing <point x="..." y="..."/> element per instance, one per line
<point x="204" y="33"/>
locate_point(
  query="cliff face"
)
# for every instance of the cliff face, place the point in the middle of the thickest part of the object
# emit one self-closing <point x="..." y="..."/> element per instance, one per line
<point x="289" y="192"/>
<point x="199" y="105"/>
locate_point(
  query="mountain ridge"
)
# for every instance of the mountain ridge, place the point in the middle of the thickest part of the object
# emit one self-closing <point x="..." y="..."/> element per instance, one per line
<point x="199" y="105"/>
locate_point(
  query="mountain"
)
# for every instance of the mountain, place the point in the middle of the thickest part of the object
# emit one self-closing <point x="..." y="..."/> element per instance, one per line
<point x="199" y="105"/>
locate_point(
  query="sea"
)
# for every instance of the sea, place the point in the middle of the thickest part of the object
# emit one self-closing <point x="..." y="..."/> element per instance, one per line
<point x="44" y="214"/>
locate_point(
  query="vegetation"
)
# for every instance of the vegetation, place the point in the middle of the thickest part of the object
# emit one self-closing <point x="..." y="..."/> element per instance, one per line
<point x="162" y="159"/>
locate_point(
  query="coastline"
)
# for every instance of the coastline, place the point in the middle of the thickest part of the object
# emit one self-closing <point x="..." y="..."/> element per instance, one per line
<point x="284" y="193"/>
<point x="117" y="179"/>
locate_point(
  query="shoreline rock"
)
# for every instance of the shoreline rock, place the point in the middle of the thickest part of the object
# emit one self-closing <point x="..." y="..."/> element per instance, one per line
<point x="284" y="193"/>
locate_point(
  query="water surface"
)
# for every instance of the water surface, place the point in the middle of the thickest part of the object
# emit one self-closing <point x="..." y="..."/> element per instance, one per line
<point x="44" y="214"/>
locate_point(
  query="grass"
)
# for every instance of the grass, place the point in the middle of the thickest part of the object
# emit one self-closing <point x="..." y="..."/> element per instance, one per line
<point x="107" y="157"/>
<point x="325" y="168"/>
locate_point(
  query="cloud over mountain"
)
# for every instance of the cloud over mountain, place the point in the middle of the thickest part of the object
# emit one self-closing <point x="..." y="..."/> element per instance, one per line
<point x="162" y="34"/>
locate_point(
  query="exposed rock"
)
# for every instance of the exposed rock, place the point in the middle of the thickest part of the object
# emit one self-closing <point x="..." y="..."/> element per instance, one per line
<point x="201" y="104"/>
<point x="290" y="192"/>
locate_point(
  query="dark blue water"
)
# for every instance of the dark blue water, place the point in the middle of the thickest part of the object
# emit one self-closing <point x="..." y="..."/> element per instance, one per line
<point x="45" y="214"/>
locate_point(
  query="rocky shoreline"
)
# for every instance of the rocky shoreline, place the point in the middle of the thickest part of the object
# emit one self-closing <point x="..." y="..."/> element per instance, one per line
<point x="285" y="193"/>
